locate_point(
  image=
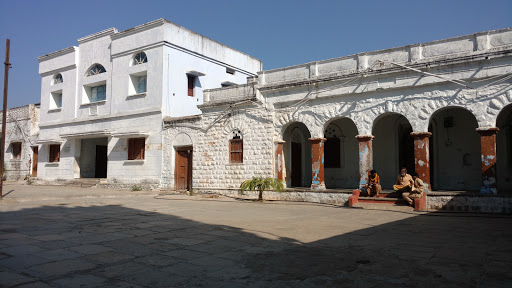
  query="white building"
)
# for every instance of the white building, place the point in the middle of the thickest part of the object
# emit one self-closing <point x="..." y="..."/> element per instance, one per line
<point x="442" y="109"/>
<point x="103" y="101"/>
<point x="21" y="149"/>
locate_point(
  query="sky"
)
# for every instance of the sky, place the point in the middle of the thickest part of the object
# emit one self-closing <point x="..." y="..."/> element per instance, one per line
<point x="280" y="33"/>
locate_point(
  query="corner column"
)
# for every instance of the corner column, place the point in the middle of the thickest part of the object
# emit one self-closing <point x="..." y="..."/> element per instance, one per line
<point x="365" y="158"/>
<point x="422" y="156"/>
<point x="488" y="155"/>
<point x="279" y="160"/>
<point x="317" y="157"/>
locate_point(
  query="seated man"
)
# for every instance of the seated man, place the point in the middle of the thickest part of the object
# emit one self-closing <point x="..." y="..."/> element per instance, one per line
<point x="373" y="185"/>
<point x="404" y="183"/>
<point x="417" y="190"/>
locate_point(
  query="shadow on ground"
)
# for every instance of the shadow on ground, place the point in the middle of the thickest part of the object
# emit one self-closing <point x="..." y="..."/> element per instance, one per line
<point x="115" y="246"/>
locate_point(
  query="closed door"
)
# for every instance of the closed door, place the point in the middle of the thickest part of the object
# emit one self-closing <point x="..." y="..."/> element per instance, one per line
<point x="183" y="169"/>
<point x="101" y="161"/>
<point x="296" y="164"/>
<point x="35" y="156"/>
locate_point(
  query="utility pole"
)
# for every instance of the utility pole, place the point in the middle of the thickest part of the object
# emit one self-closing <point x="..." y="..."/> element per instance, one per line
<point x="4" y="116"/>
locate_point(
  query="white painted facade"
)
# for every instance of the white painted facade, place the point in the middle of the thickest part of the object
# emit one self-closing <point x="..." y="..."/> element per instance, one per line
<point x="81" y="123"/>
<point x="449" y="87"/>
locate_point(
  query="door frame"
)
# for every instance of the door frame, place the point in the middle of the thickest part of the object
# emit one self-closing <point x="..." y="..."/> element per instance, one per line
<point x="35" y="160"/>
<point x="189" y="166"/>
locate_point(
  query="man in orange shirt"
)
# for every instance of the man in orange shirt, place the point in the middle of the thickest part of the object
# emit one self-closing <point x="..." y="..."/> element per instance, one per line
<point x="373" y="185"/>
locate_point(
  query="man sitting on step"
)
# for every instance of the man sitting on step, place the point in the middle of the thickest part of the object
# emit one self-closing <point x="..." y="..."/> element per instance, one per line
<point x="373" y="186"/>
<point x="417" y="190"/>
<point x="404" y="183"/>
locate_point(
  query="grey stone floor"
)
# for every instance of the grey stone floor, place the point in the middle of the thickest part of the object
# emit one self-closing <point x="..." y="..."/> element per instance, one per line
<point x="87" y="237"/>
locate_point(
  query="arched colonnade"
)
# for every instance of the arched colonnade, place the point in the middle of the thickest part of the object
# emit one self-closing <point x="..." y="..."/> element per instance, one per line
<point x="453" y="153"/>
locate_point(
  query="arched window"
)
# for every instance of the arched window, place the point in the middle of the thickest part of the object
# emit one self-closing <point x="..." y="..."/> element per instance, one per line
<point x="236" y="147"/>
<point x="140" y="58"/>
<point x="57" y="79"/>
<point x="95" y="70"/>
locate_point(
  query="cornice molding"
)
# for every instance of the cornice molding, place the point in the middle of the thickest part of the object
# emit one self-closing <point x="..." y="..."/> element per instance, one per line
<point x="140" y="48"/>
<point x="57" y="53"/>
<point x="97" y="35"/>
<point x="99" y="118"/>
<point x="137" y="29"/>
<point x="60" y="69"/>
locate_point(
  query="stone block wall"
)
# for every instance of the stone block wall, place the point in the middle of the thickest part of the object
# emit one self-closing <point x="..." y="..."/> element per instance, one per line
<point x="21" y="127"/>
<point x="210" y="135"/>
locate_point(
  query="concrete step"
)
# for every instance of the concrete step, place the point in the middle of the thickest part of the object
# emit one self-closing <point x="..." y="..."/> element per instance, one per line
<point x="85" y="182"/>
<point x="379" y="206"/>
<point x="382" y="200"/>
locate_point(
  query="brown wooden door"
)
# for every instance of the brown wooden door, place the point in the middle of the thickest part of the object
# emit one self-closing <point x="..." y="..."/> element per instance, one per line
<point x="296" y="164"/>
<point x="183" y="169"/>
<point x="35" y="156"/>
<point x="101" y="161"/>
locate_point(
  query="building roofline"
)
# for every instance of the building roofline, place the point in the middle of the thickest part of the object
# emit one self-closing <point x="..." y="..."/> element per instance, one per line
<point x="181" y="27"/>
<point x="57" y="53"/>
<point x="163" y="21"/>
<point x="97" y="35"/>
<point x="137" y="29"/>
<point x="395" y="48"/>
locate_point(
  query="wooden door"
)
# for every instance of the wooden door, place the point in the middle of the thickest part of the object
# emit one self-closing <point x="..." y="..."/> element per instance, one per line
<point x="35" y="156"/>
<point x="101" y="161"/>
<point x="296" y="164"/>
<point x="183" y="168"/>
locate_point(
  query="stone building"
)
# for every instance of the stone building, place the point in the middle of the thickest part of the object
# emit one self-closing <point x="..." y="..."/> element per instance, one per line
<point x="103" y="101"/>
<point x="442" y="109"/>
<point x="21" y="149"/>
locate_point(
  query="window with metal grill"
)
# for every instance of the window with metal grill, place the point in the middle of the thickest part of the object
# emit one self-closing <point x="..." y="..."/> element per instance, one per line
<point x="136" y="147"/>
<point x="16" y="150"/>
<point x="54" y="153"/>
<point x="236" y="151"/>
<point x="332" y="149"/>
<point x="191" y="79"/>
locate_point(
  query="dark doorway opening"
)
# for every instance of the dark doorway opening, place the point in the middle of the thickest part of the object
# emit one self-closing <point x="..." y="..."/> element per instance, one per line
<point x="296" y="164"/>
<point x="101" y="161"/>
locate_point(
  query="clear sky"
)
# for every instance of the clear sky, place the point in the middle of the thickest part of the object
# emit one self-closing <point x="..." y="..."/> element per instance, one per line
<point x="280" y="33"/>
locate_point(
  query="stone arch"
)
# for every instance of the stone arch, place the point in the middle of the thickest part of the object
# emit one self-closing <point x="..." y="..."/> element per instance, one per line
<point x="235" y="122"/>
<point x="366" y="118"/>
<point x="497" y="105"/>
<point x="440" y="109"/>
<point x="335" y="118"/>
<point x="432" y="107"/>
<point x="285" y="120"/>
<point x="182" y="139"/>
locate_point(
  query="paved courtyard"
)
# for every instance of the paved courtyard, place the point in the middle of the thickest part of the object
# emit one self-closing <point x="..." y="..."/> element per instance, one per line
<point x="88" y="237"/>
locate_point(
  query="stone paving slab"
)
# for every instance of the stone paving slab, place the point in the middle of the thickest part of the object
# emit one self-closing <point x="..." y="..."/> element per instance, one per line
<point x="61" y="237"/>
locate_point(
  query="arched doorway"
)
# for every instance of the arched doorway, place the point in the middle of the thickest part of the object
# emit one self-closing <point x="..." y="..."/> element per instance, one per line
<point x="393" y="147"/>
<point x="454" y="150"/>
<point x="297" y="155"/>
<point x="341" y="165"/>
<point x="504" y="150"/>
